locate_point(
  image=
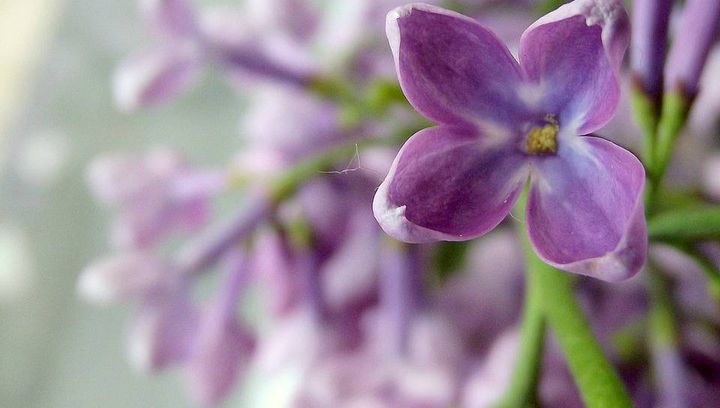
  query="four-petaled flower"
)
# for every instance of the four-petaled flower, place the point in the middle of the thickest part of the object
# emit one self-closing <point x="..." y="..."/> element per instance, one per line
<point x="501" y="122"/>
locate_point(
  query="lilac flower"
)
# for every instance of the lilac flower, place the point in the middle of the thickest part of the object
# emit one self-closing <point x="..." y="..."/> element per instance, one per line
<point x="501" y="122"/>
<point x="191" y="40"/>
<point x="162" y="331"/>
<point x="155" y="194"/>
<point x="223" y="346"/>
<point x="123" y="277"/>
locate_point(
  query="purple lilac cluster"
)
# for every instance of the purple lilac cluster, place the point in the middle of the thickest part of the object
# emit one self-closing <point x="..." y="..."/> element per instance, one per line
<point x="374" y="296"/>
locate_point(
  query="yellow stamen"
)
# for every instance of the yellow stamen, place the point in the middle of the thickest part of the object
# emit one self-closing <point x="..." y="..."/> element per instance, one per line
<point x="543" y="139"/>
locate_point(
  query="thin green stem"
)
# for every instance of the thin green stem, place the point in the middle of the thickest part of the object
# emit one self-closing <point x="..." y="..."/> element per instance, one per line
<point x="599" y="384"/>
<point x="286" y="185"/>
<point x="522" y="390"/>
<point x="646" y="113"/>
<point x="675" y="109"/>
<point x="663" y="328"/>
<point x="523" y="384"/>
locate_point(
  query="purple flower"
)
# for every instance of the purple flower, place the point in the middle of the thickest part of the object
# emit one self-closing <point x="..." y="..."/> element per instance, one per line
<point x="155" y="194"/>
<point x="696" y="34"/>
<point x="223" y="345"/>
<point x="500" y="122"/>
<point x="190" y="40"/>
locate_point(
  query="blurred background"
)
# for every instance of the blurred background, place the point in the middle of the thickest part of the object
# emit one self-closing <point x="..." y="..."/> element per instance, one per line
<point x="56" y="113"/>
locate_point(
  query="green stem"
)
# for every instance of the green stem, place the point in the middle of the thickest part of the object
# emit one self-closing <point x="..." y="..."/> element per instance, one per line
<point x="695" y="223"/>
<point x="663" y="328"/>
<point x="675" y="109"/>
<point x="595" y="377"/>
<point x="523" y="384"/>
<point x="646" y="113"/>
<point x="286" y="185"/>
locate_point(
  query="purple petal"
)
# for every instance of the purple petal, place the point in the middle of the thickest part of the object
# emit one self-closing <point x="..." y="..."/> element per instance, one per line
<point x="447" y="184"/>
<point x="123" y="277"/>
<point x="585" y="210"/>
<point x="163" y="330"/>
<point x="274" y="270"/>
<point x="169" y="17"/>
<point x="350" y="274"/>
<point x="649" y="36"/>
<point x="452" y="69"/>
<point x="696" y="34"/>
<point x="222" y="353"/>
<point x="573" y="55"/>
<point x="156" y="76"/>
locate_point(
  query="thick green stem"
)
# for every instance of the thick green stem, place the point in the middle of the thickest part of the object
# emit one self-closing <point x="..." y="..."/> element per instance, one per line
<point x="684" y="225"/>
<point x="595" y="377"/>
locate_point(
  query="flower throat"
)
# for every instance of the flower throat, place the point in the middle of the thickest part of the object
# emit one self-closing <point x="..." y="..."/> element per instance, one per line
<point x="543" y="139"/>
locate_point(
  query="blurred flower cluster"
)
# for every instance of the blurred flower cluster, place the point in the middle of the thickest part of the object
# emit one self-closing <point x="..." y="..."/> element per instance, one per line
<point x="299" y="288"/>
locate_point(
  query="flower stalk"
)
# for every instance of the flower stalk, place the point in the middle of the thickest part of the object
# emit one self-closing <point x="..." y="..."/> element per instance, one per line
<point x="522" y="390"/>
<point x="550" y="295"/>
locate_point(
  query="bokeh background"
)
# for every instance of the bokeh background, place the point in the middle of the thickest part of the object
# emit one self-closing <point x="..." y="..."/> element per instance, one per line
<point x="56" y="113"/>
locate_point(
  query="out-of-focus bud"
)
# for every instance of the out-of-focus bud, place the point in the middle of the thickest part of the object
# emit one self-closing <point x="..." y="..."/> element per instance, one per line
<point x="170" y="17"/>
<point x="298" y="17"/>
<point x="122" y="277"/>
<point x="155" y="194"/>
<point x="291" y="122"/>
<point x="711" y="177"/>
<point x="156" y="76"/>
<point x="221" y="353"/>
<point x="163" y="330"/>
<point x="402" y="293"/>
<point x="486" y="385"/>
<point x="223" y="346"/>
<point x="649" y="44"/>
<point x="480" y="300"/>
<point x="273" y="266"/>
<point x="696" y="33"/>
<point x="350" y="275"/>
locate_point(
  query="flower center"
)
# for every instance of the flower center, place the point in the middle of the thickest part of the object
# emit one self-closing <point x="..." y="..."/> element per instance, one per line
<point x="542" y="139"/>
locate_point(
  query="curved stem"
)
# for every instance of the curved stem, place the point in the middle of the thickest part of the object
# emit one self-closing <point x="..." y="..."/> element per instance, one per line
<point x="523" y="384"/>
<point x="599" y="384"/>
<point x="596" y="378"/>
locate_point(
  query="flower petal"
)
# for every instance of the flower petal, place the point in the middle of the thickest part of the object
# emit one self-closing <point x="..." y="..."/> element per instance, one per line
<point x="447" y="184"/>
<point x="163" y="330"/>
<point x="170" y="17"/>
<point x="451" y="68"/>
<point x="123" y="277"/>
<point x="156" y="76"/>
<point x="585" y="210"/>
<point x="574" y="54"/>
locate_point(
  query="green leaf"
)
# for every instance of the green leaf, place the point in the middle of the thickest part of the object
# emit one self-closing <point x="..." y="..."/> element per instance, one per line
<point x="686" y="225"/>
